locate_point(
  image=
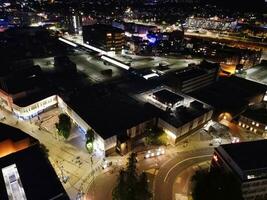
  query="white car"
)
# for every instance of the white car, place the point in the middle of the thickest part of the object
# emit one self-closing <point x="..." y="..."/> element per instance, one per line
<point x="155" y="152"/>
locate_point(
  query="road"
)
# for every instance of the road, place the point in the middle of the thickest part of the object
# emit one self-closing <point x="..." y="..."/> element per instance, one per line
<point x="165" y="170"/>
<point x="163" y="183"/>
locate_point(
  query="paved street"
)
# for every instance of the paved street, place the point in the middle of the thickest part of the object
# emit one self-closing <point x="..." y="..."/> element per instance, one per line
<point x="182" y="184"/>
<point x="168" y="172"/>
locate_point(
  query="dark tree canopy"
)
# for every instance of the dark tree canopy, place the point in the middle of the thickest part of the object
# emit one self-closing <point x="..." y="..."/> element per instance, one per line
<point x="130" y="186"/>
<point x="64" y="125"/>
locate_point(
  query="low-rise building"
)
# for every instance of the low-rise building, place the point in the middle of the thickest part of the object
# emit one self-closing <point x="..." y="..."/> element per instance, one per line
<point x="247" y="162"/>
<point x="181" y="114"/>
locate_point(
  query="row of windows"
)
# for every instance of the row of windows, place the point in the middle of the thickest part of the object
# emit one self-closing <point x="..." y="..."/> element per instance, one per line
<point x="243" y="125"/>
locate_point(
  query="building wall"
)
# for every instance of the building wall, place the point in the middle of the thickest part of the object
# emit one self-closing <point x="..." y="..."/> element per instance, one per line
<point x="104" y="39"/>
<point x="6" y="101"/>
<point x="252" y="125"/>
<point x="8" y="146"/>
<point x="255" y="189"/>
<point x="34" y="109"/>
<point x="252" y="189"/>
<point x="99" y="142"/>
<point x="174" y="133"/>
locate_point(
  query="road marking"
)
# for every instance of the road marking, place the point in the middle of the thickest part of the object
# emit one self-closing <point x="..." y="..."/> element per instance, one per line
<point x="203" y="156"/>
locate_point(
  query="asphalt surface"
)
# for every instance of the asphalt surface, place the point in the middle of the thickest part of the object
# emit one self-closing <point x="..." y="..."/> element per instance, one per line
<point x="168" y="172"/>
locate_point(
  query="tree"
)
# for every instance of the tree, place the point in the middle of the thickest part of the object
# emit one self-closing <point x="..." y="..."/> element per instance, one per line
<point x="215" y="184"/>
<point x="90" y="137"/>
<point x="130" y="186"/>
<point x="64" y="125"/>
<point x="44" y="149"/>
<point x="143" y="189"/>
<point x="120" y="191"/>
<point x="155" y="136"/>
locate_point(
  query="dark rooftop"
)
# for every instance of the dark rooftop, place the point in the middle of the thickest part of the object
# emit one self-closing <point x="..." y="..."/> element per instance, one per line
<point x="248" y="155"/>
<point x="104" y="27"/>
<point x="37" y="175"/>
<point x="110" y="113"/>
<point x="257" y="113"/>
<point x="14" y="134"/>
<point x="33" y="97"/>
<point x="183" y="115"/>
<point x="23" y="80"/>
<point x="230" y="94"/>
<point x="187" y="74"/>
<point x="166" y="97"/>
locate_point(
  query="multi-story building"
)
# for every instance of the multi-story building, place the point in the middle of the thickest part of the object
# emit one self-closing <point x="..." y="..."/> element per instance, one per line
<point x="247" y="162"/>
<point x="104" y="37"/>
<point x="254" y="119"/>
<point x="194" y="77"/>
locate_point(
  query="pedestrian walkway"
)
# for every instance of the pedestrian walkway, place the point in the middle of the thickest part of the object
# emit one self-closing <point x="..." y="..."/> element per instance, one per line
<point x="71" y="163"/>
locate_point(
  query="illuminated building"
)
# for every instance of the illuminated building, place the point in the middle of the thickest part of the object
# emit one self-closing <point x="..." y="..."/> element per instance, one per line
<point x="254" y="119"/>
<point x="181" y="114"/>
<point x="73" y="23"/>
<point x="247" y="161"/>
<point x="194" y="77"/>
<point x="104" y="37"/>
<point x="214" y="23"/>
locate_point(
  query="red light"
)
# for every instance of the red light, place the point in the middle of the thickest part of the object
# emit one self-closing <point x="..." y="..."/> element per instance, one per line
<point x="215" y="157"/>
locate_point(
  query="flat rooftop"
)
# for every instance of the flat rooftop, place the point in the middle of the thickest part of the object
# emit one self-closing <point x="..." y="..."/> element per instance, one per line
<point x="109" y="112"/>
<point x="183" y="115"/>
<point x="23" y="80"/>
<point x="257" y="113"/>
<point x="34" y="175"/>
<point x="34" y="97"/>
<point x="258" y="73"/>
<point x="104" y="27"/>
<point x="14" y="134"/>
<point x="249" y="156"/>
<point x="165" y="96"/>
<point x="229" y="94"/>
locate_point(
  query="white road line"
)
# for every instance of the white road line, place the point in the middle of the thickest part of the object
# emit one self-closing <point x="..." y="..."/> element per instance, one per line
<point x="203" y="156"/>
